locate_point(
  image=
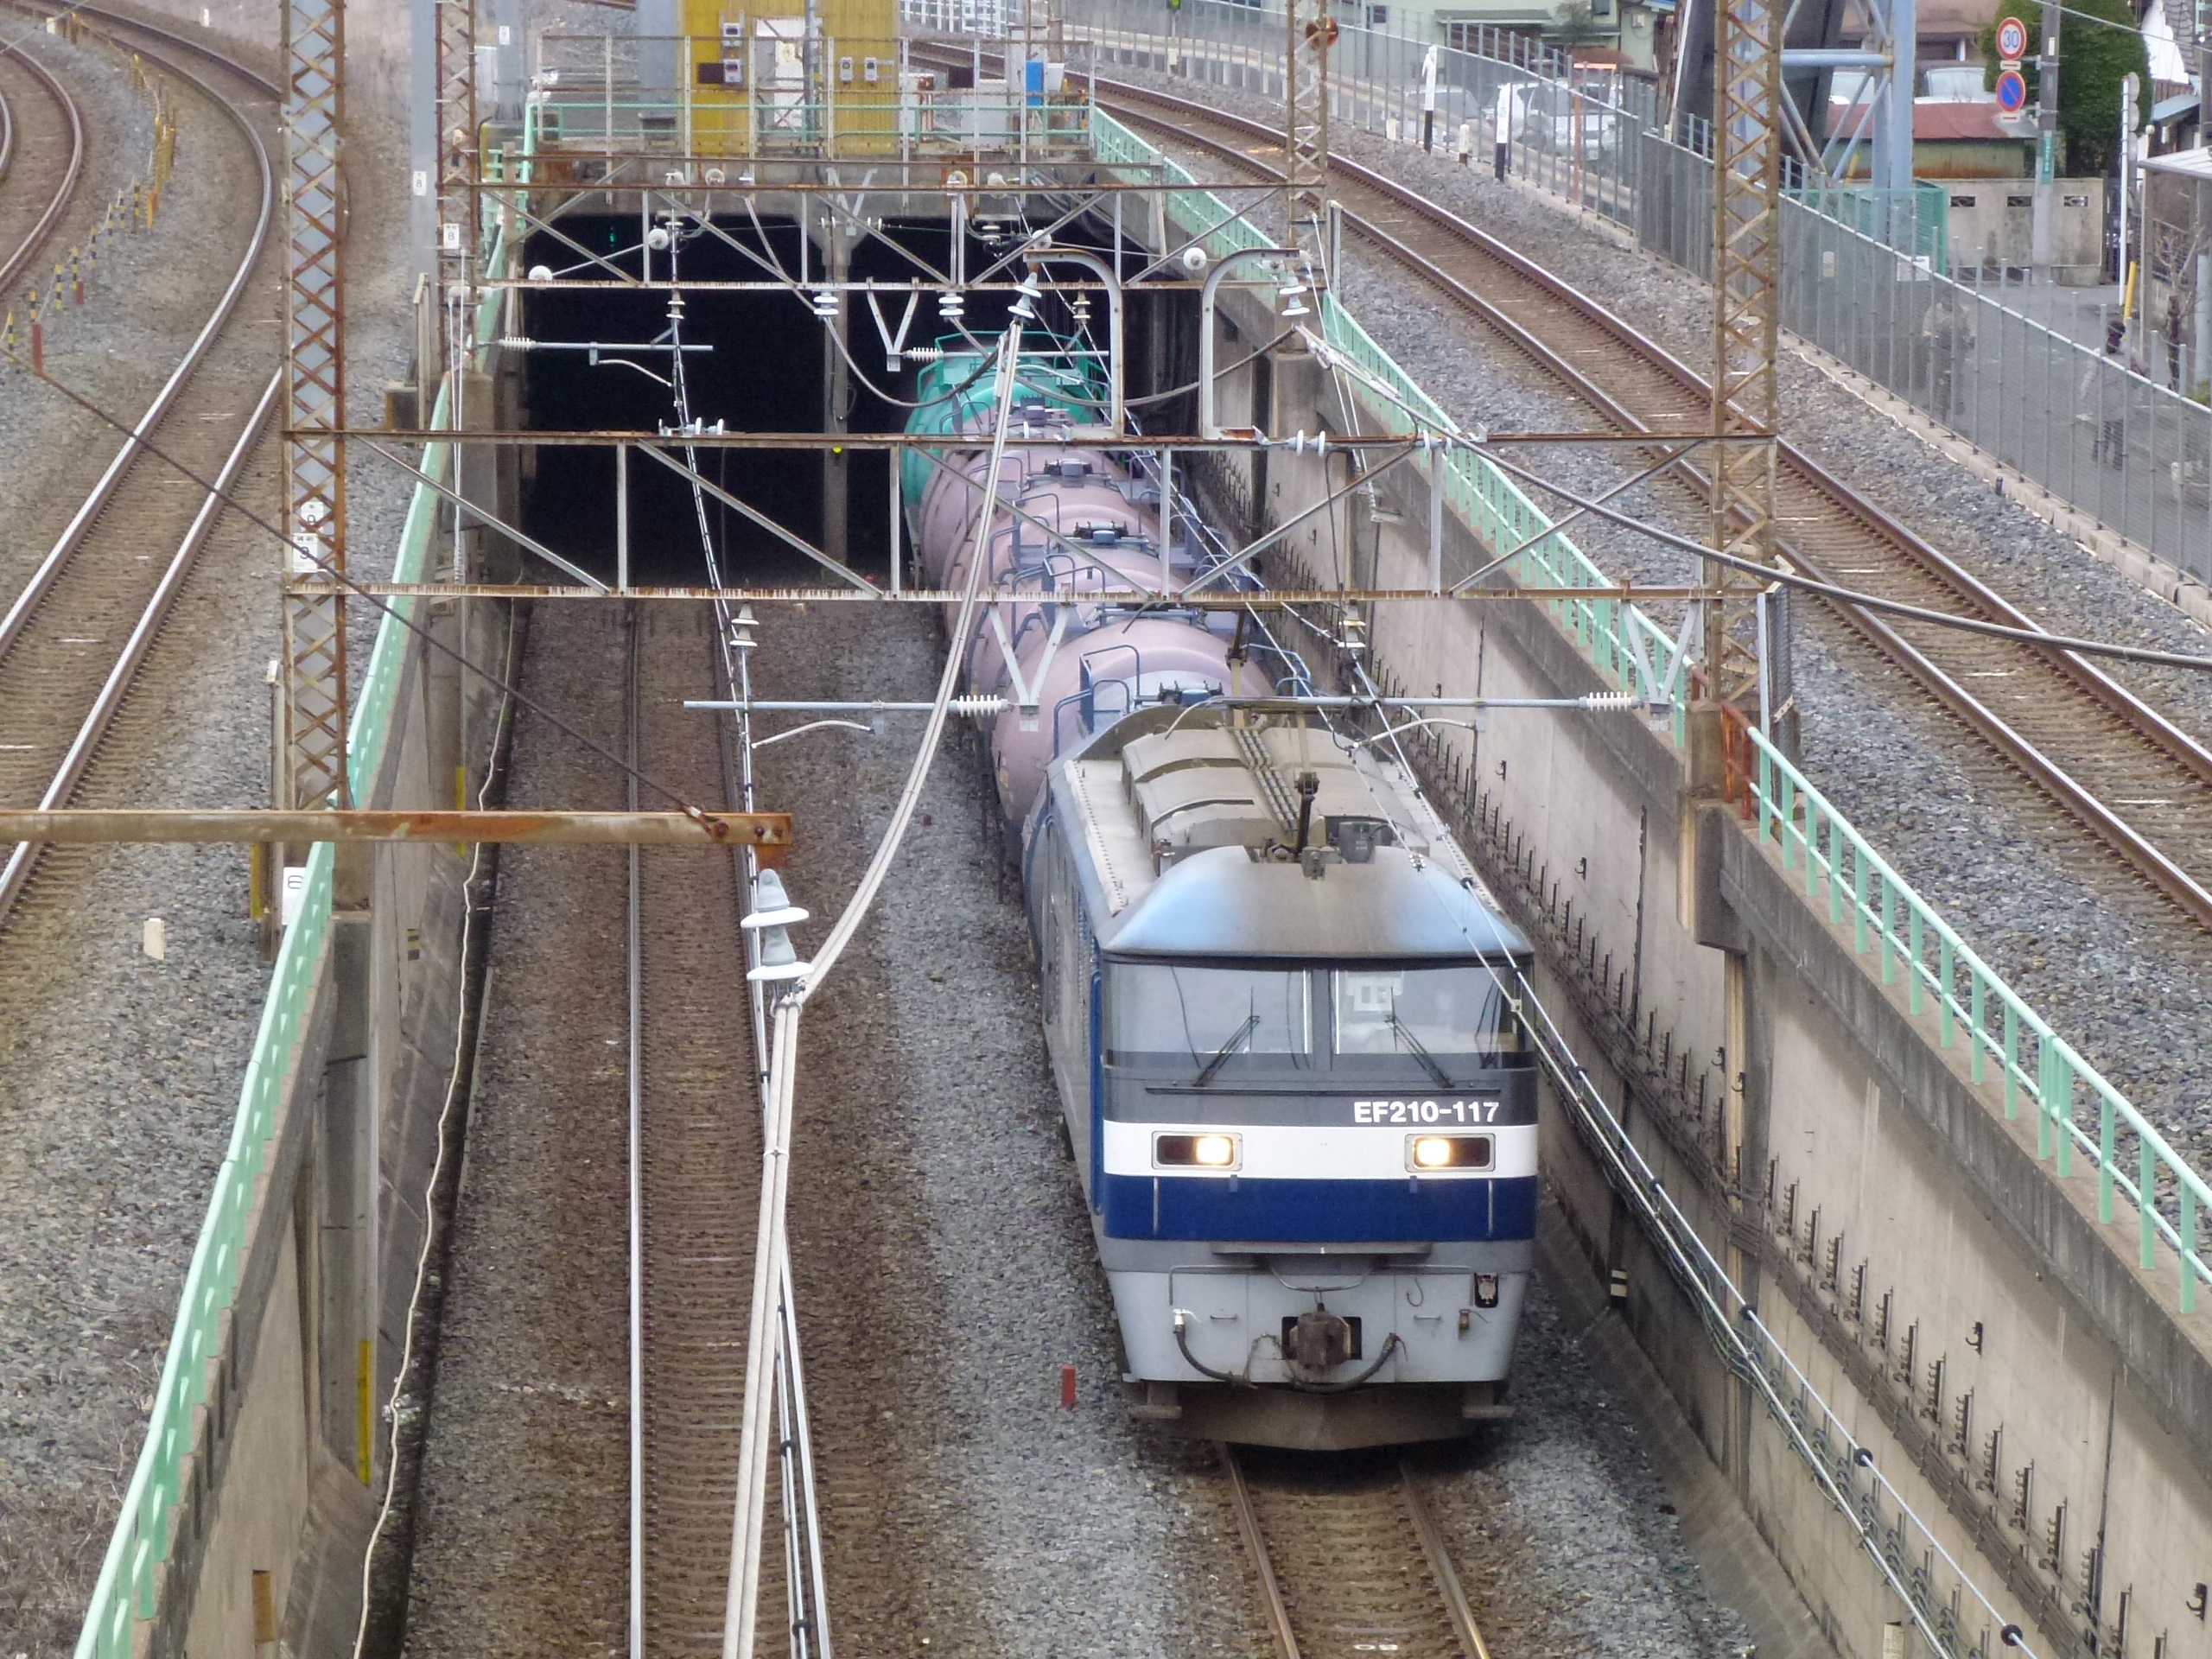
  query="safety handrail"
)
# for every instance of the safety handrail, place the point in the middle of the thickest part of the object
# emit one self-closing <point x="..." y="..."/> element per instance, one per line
<point x="2033" y="1062"/>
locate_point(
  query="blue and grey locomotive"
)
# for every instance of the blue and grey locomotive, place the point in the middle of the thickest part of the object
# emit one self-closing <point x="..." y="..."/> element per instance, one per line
<point x="1276" y="1001"/>
<point x="1276" y="997"/>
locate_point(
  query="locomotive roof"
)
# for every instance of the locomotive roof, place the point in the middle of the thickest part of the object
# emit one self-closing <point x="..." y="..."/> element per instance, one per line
<point x="1395" y="907"/>
<point x="1182" y="822"/>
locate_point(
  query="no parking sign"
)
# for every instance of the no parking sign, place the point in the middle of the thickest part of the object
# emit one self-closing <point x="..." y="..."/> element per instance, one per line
<point x="2011" y="92"/>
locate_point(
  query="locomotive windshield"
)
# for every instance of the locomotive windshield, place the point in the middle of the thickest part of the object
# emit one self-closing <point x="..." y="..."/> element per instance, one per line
<point x="1421" y="1010"/>
<point x="1211" y="1014"/>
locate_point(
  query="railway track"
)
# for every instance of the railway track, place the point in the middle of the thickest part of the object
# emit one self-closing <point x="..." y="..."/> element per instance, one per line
<point x="1349" y="1560"/>
<point x="42" y="161"/>
<point x="2135" y="783"/>
<point x="73" y="639"/>
<point x="696" y="1123"/>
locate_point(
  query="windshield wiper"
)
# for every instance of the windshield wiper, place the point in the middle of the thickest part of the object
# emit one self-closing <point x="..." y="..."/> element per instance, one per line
<point x="1427" y="1059"/>
<point x="1235" y="1037"/>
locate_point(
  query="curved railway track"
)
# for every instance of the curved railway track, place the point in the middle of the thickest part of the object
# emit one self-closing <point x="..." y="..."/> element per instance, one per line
<point x="696" y="1153"/>
<point x="42" y="161"/>
<point x="2135" y="782"/>
<point x="73" y="639"/>
<point x="1349" y="1560"/>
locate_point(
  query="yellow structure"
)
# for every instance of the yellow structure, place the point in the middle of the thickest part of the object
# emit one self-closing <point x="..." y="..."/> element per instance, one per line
<point x="759" y="85"/>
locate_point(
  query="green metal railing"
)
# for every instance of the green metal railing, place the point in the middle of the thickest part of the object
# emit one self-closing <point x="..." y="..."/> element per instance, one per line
<point x="1209" y="221"/>
<point x="2079" y="1115"/>
<point x="1616" y="635"/>
<point x="125" y="1591"/>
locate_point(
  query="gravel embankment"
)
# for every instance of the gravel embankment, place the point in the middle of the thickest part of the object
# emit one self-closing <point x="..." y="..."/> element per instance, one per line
<point x="521" y="1523"/>
<point x="119" y="1073"/>
<point x="2110" y="965"/>
<point x="945" y="1272"/>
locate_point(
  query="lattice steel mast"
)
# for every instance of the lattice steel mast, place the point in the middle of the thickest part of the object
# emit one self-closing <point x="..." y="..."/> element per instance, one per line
<point x="1746" y="284"/>
<point x="455" y="73"/>
<point x="315" y="407"/>
<point x="1310" y="32"/>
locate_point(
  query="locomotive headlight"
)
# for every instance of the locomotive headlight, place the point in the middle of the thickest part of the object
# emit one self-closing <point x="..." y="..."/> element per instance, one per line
<point x="1425" y="1152"/>
<point x="1212" y="1151"/>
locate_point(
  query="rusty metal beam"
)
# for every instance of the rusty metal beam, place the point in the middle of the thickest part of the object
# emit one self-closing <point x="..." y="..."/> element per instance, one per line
<point x="1233" y="439"/>
<point x="86" y="827"/>
<point x="1272" y="599"/>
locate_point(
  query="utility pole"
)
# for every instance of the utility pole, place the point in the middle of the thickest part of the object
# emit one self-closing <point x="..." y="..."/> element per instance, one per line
<point x="2046" y="138"/>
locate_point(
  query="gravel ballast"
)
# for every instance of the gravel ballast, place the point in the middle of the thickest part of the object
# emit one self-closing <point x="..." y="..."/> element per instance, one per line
<point x="945" y="1272"/>
<point x="119" y="1073"/>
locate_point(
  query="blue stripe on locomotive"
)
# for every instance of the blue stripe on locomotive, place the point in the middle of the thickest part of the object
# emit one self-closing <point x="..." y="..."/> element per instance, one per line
<point x="1319" y="1211"/>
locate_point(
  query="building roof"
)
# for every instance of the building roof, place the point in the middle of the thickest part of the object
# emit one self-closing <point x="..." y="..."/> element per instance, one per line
<point x="2189" y="163"/>
<point x="1941" y="121"/>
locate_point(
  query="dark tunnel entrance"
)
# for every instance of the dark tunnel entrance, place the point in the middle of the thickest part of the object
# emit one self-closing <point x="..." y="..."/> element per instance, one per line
<point x="766" y="372"/>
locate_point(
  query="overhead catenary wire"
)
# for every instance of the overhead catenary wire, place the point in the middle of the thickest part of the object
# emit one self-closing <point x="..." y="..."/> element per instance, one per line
<point x="1681" y="1246"/>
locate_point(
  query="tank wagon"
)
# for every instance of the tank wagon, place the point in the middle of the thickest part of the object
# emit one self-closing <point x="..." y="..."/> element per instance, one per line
<point x="1277" y="999"/>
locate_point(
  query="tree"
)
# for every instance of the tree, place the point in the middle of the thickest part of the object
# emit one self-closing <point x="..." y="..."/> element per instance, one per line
<point x="2093" y="57"/>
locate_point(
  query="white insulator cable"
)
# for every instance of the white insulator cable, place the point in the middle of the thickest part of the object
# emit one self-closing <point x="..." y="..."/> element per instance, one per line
<point x="740" y="1616"/>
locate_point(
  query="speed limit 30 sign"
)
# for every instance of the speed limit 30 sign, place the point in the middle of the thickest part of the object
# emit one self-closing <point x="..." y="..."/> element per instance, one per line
<point x="2012" y="40"/>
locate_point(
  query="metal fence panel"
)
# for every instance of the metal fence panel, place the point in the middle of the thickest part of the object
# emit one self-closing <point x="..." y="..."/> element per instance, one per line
<point x="1867" y="274"/>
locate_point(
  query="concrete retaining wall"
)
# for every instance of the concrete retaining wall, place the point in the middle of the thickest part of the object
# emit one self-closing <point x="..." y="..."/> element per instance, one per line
<point x="291" y="1452"/>
<point x="2037" y="1402"/>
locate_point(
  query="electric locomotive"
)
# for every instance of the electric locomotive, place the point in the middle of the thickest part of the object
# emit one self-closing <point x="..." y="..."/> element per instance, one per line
<point x="1278" y="1000"/>
<point x="1279" y="1011"/>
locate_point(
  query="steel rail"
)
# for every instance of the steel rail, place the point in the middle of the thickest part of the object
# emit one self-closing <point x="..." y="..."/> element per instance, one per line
<point x="23" y="854"/>
<point x="1276" y="1601"/>
<point x="15" y="873"/>
<point x="2170" y="745"/>
<point x="35" y="240"/>
<point x="1255" y="1546"/>
<point x="1440" y="1564"/>
<point x="26" y="602"/>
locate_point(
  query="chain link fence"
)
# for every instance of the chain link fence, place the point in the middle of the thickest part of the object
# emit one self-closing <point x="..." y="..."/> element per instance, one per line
<point x="1867" y="275"/>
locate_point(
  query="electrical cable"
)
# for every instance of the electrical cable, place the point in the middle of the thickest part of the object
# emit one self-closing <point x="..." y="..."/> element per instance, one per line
<point x="501" y="728"/>
<point x="741" y="1613"/>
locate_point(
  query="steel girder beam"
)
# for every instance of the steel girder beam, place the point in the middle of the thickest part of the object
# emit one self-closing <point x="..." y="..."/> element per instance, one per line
<point x="315" y="451"/>
<point x="101" y="827"/>
<point x="1746" y="286"/>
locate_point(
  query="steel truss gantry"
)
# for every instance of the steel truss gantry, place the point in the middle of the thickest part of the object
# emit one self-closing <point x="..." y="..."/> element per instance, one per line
<point x="1747" y="285"/>
<point x="314" y="735"/>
